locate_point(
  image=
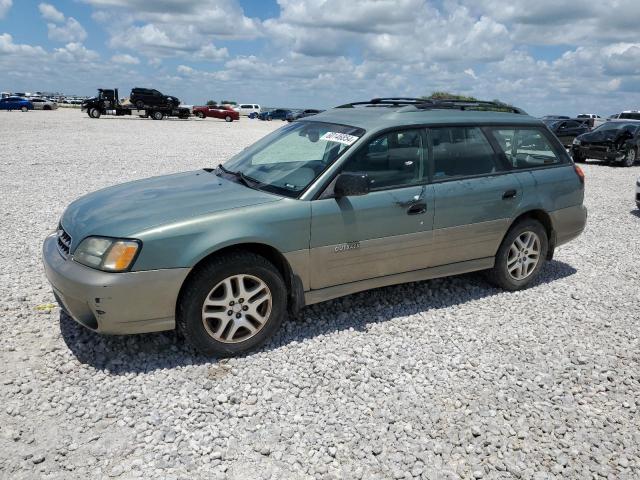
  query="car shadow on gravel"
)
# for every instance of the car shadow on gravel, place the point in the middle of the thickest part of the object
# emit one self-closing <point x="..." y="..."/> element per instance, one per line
<point x="124" y="354"/>
<point x="635" y="212"/>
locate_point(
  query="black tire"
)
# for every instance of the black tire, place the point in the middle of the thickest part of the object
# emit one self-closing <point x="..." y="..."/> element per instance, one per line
<point x="157" y="115"/>
<point x="577" y="157"/>
<point x="24" y="109"/>
<point x="189" y="312"/>
<point x="228" y="119"/>
<point x="499" y="274"/>
<point x="46" y="107"/>
<point x="139" y="104"/>
<point x="630" y="157"/>
<point x="200" y="115"/>
<point x="94" y="113"/>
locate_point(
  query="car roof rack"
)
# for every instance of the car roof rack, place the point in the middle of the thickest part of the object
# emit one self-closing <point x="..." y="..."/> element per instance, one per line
<point x="429" y="104"/>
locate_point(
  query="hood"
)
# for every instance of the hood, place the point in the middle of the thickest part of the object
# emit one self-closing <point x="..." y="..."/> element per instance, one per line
<point x="127" y="209"/>
<point x="598" y="136"/>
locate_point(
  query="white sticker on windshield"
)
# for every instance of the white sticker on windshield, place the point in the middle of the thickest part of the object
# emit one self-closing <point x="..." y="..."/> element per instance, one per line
<point x="344" y="138"/>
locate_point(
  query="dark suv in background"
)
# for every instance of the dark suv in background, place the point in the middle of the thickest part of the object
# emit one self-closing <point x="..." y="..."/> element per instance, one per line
<point x="147" y="97"/>
<point x="567" y="130"/>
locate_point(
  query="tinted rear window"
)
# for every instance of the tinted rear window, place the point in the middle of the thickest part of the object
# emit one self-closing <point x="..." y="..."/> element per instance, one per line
<point x="526" y="147"/>
<point x="461" y="152"/>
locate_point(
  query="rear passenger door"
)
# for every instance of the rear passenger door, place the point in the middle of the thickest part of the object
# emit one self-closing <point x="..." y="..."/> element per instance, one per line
<point x="475" y="195"/>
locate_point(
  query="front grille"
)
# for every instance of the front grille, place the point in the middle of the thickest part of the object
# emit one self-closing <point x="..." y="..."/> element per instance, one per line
<point x="64" y="242"/>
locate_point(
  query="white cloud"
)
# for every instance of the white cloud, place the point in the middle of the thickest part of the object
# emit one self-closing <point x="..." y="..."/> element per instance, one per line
<point x="60" y="29"/>
<point x="471" y="73"/>
<point x="75" y="52"/>
<point x="70" y="31"/>
<point x="125" y="59"/>
<point x="210" y="52"/>
<point x="5" y="5"/>
<point x="7" y="47"/>
<point x="51" y="13"/>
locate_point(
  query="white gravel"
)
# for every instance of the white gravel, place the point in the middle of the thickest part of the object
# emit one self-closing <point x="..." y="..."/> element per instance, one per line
<point x="441" y="379"/>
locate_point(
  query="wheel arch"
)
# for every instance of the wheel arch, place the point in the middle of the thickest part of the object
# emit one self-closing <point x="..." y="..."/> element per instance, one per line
<point x="295" y="289"/>
<point x="545" y="219"/>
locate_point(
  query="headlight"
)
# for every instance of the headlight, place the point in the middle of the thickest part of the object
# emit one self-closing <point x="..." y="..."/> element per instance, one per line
<point x="576" y="141"/>
<point x="108" y="254"/>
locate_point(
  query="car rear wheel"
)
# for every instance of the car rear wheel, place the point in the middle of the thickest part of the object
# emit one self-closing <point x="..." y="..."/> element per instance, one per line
<point x="228" y="119"/>
<point x="630" y="158"/>
<point x="157" y="115"/>
<point x="24" y="109"/>
<point x="232" y="304"/>
<point x="200" y="114"/>
<point x="521" y="255"/>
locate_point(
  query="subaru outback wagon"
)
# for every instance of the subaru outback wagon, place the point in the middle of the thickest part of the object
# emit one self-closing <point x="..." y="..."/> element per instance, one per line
<point x="358" y="197"/>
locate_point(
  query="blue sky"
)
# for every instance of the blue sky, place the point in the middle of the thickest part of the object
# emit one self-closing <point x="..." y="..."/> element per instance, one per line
<point x="546" y="57"/>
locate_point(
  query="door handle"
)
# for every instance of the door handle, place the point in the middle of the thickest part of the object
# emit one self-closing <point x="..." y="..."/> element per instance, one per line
<point x="417" y="208"/>
<point x="509" y="194"/>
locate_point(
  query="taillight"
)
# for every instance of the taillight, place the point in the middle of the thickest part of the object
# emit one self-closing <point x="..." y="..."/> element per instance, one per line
<point x="579" y="173"/>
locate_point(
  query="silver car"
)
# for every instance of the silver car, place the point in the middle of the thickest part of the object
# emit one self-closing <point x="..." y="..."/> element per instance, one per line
<point x="43" y="104"/>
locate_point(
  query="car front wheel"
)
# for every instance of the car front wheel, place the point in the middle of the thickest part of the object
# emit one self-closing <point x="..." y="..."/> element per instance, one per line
<point x="199" y="114"/>
<point x="521" y="255"/>
<point x="630" y="158"/>
<point x="24" y="109"/>
<point x="231" y="305"/>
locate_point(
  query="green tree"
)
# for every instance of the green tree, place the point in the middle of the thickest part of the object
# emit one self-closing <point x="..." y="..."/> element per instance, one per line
<point x="228" y="102"/>
<point x="211" y="103"/>
<point x="439" y="95"/>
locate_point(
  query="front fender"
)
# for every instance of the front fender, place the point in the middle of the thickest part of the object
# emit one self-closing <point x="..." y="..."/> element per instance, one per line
<point x="282" y="225"/>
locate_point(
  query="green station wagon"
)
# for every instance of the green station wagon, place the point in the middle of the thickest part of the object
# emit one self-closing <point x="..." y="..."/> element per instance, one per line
<point x="358" y="197"/>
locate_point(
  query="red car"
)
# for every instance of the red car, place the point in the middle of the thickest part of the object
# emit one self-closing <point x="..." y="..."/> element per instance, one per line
<point x="216" y="111"/>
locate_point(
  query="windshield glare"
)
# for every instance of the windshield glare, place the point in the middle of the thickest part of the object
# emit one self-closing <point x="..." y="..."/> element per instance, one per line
<point x="289" y="159"/>
<point x="615" y="126"/>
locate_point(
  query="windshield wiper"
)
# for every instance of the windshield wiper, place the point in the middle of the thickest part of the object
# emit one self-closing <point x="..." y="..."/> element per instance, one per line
<point x="246" y="181"/>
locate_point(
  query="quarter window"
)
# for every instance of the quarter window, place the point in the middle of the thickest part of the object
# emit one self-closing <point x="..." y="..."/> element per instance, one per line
<point x="394" y="159"/>
<point x="461" y="152"/>
<point x="526" y="147"/>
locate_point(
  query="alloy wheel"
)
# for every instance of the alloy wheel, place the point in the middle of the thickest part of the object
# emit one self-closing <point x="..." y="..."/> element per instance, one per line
<point x="237" y="308"/>
<point x="524" y="255"/>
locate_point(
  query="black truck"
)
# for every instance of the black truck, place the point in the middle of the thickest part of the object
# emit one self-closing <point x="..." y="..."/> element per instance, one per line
<point x="144" y="102"/>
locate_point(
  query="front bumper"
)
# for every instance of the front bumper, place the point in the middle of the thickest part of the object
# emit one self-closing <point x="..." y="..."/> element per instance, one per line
<point x="113" y="303"/>
<point x="609" y="154"/>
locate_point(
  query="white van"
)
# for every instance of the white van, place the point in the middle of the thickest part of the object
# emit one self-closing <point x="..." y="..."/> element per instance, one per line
<point x="247" y="108"/>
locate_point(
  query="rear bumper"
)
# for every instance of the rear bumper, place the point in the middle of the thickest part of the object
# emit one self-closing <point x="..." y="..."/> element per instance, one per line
<point x="113" y="303"/>
<point x="569" y="223"/>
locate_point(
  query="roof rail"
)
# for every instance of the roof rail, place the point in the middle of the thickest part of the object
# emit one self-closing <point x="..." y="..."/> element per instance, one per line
<point x="429" y="104"/>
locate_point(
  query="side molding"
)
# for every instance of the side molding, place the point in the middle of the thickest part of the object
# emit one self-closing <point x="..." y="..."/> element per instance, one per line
<point x="324" y="294"/>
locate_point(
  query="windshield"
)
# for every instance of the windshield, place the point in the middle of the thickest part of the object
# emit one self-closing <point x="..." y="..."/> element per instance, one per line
<point x="630" y="115"/>
<point x="289" y="159"/>
<point x="609" y="126"/>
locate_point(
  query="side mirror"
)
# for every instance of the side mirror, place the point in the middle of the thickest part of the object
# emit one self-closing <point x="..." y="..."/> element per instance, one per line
<point x="350" y="184"/>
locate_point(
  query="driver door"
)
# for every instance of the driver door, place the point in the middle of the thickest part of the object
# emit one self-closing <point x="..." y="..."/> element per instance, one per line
<point x="388" y="230"/>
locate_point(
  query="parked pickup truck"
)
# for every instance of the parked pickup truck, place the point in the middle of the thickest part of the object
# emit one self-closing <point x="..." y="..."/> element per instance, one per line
<point x="142" y="104"/>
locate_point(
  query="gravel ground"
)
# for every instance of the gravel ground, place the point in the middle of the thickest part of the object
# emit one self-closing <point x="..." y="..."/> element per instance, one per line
<point x="442" y="379"/>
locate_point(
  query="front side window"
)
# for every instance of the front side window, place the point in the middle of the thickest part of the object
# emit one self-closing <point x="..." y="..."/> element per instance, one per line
<point x="526" y="147"/>
<point x="395" y="159"/>
<point x="461" y="152"/>
<point x="289" y="159"/>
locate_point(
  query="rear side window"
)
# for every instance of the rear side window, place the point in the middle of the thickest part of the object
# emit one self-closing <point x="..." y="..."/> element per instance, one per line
<point x="246" y="106"/>
<point x="526" y="147"/>
<point x="461" y="152"/>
